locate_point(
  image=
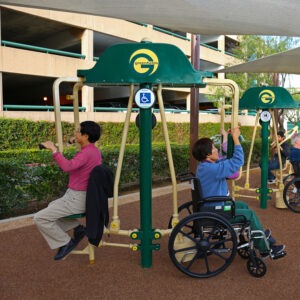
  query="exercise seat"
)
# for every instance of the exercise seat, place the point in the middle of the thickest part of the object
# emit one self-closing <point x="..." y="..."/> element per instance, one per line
<point x="89" y="249"/>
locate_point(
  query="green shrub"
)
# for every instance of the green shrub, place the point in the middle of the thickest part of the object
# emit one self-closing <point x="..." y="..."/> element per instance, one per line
<point x="25" y="134"/>
<point x="32" y="175"/>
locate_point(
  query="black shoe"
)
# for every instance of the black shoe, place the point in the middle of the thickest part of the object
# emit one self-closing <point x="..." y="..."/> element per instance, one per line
<point x="79" y="233"/>
<point x="65" y="250"/>
<point x="276" y="249"/>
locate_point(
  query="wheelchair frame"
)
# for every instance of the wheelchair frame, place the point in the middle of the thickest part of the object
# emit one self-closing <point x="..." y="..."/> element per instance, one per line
<point x="205" y="242"/>
<point x="291" y="191"/>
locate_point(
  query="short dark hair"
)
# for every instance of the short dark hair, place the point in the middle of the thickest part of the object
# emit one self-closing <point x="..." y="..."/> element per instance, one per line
<point x="280" y="133"/>
<point x="92" y="129"/>
<point x="202" y="148"/>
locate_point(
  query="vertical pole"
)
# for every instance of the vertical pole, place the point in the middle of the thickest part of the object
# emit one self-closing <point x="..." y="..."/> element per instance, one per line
<point x="264" y="164"/>
<point x="146" y="185"/>
<point x="194" y="107"/>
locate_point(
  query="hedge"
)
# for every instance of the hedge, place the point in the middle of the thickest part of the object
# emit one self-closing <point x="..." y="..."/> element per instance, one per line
<point x="32" y="175"/>
<point x="29" y="174"/>
<point x="25" y="134"/>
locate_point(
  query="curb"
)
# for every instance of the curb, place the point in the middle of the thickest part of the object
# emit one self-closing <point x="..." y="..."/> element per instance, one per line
<point x="27" y="220"/>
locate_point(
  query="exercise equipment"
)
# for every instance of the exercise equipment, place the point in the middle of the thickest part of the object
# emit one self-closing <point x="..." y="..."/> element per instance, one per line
<point x="150" y="66"/>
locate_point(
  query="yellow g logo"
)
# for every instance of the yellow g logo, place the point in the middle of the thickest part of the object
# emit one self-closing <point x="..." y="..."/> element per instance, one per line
<point x="267" y="96"/>
<point x="144" y="61"/>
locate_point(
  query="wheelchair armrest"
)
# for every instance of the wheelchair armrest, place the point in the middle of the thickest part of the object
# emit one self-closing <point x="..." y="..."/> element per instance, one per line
<point x="224" y="205"/>
<point x="219" y="199"/>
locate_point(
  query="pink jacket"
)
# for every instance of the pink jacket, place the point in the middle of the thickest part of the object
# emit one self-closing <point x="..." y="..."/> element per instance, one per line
<point x="80" y="166"/>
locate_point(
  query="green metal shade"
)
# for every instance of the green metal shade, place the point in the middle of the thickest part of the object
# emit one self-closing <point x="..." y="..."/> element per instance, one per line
<point x="139" y="63"/>
<point x="267" y="97"/>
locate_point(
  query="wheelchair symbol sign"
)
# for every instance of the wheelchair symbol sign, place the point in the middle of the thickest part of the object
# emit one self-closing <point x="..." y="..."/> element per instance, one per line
<point x="265" y="116"/>
<point x="144" y="98"/>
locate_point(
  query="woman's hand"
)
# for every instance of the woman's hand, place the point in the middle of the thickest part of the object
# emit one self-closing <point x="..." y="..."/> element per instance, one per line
<point x="49" y="145"/>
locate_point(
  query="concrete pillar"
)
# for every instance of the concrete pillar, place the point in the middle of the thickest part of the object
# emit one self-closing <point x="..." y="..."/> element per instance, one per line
<point x="87" y="48"/>
<point x="188" y="101"/>
<point x="221" y="43"/>
<point x="221" y="46"/>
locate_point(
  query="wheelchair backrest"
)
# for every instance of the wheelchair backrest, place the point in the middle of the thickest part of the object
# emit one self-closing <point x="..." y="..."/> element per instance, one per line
<point x="197" y="195"/>
<point x="296" y="167"/>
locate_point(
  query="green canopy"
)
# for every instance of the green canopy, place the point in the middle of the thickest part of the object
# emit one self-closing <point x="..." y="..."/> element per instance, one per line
<point x="139" y="63"/>
<point x="267" y="97"/>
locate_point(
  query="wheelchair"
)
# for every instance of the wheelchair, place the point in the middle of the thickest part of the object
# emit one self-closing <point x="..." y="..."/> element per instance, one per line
<point x="205" y="242"/>
<point x="291" y="191"/>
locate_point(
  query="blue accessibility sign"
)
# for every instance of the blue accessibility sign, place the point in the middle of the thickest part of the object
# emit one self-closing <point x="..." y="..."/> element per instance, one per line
<point x="144" y="98"/>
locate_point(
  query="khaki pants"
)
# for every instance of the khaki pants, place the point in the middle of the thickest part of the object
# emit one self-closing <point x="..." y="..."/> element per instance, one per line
<point x="51" y="223"/>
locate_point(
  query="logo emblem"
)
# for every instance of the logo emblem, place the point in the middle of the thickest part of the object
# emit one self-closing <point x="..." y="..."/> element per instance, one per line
<point x="267" y="96"/>
<point x="144" y="61"/>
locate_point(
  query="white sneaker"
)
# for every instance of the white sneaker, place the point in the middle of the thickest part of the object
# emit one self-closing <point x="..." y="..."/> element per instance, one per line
<point x="271" y="181"/>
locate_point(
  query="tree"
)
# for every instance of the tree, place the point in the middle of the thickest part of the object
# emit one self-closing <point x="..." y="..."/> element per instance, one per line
<point x="253" y="47"/>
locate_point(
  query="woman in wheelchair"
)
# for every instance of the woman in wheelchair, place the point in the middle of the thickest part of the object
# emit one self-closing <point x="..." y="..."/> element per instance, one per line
<point x="212" y="173"/>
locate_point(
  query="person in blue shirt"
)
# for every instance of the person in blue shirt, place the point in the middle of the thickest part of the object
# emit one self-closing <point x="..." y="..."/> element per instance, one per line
<point x="295" y="150"/>
<point x="295" y="154"/>
<point x="273" y="163"/>
<point x="212" y="173"/>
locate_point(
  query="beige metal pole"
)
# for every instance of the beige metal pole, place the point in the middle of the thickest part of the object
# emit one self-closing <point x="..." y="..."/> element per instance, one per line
<point x="169" y="154"/>
<point x="115" y="224"/>
<point x="56" y="100"/>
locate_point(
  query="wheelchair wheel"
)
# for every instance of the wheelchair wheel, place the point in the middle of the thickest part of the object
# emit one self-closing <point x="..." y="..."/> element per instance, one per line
<point x="291" y="195"/>
<point x="243" y="252"/>
<point x="288" y="177"/>
<point x="184" y="210"/>
<point x="202" y="245"/>
<point x="256" y="267"/>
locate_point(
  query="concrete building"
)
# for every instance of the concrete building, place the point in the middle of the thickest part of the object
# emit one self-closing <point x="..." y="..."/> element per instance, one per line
<point x="38" y="46"/>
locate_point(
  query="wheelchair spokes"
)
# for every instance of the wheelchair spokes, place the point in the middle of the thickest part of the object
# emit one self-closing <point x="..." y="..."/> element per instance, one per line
<point x="291" y="195"/>
<point x="207" y="249"/>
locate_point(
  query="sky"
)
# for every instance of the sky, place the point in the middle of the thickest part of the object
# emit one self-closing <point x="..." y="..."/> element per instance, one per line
<point x="292" y="81"/>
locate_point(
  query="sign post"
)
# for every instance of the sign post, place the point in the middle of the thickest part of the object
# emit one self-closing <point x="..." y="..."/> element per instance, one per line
<point x="144" y="99"/>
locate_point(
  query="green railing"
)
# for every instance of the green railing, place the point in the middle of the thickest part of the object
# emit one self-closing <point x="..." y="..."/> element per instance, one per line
<point x="8" y="107"/>
<point x="170" y="33"/>
<point x="113" y="109"/>
<point x="39" y="107"/>
<point x="138" y="23"/>
<point x="210" y="47"/>
<point x="44" y="50"/>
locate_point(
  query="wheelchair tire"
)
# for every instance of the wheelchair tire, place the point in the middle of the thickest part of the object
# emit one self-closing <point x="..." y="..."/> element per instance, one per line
<point x="183" y="211"/>
<point x="256" y="267"/>
<point x="288" y="177"/>
<point x="291" y="194"/>
<point x="202" y="245"/>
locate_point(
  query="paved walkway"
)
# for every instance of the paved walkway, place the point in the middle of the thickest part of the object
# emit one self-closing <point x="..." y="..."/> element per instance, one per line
<point x="28" y="270"/>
